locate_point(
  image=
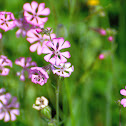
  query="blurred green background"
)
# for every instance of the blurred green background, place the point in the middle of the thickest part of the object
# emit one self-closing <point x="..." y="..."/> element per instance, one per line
<point x="89" y="96"/>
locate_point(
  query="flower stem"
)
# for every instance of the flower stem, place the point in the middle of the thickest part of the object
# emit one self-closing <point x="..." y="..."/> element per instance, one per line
<point x="57" y="103"/>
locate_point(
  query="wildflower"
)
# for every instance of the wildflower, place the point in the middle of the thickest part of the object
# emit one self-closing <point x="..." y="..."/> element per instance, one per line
<point x="9" y="108"/>
<point x="93" y="2"/>
<point x="7" y="20"/>
<point x="40" y="103"/>
<point x="102" y="32"/>
<point x="23" y="27"/>
<point x="25" y="64"/>
<point x="63" y="70"/>
<point x="101" y="56"/>
<point x="52" y="49"/>
<point x="4" y="62"/>
<point x="39" y="75"/>
<point x="123" y="101"/>
<point x="34" y="13"/>
<point x="110" y="38"/>
<point x="38" y="40"/>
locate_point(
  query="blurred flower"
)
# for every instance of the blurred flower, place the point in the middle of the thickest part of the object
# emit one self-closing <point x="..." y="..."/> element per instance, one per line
<point x="110" y="38"/>
<point x="0" y="35"/>
<point x="38" y="40"/>
<point x="93" y="2"/>
<point x="123" y="101"/>
<point x="38" y="75"/>
<point x="23" y="27"/>
<point x="4" y="62"/>
<point x="25" y="64"/>
<point x="102" y="32"/>
<point x="7" y="20"/>
<point x="52" y="49"/>
<point x="40" y="103"/>
<point x="9" y="108"/>
<point x="63" y="70"/>
<point x="101" y="56"/>
<point x="33" y="13"/>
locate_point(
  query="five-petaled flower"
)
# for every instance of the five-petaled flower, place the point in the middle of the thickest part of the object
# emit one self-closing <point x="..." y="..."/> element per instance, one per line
<point x="9" y="107"/>
<point x="38" y="75"/>
<point x="7" y="20"/>
<point x="54" y="55"/>
<point x="40" y="103"/>
<point x="4" y="62"/>
<point x="63" y="70"/>
<point x="35" y="13"/>
<point x="38" y="40"/>
<point x="25" y="64"/>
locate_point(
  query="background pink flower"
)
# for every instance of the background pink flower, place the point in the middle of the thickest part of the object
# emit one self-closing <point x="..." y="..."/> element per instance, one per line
<point x="25" y="64"/>
<point x="9" y="108"/>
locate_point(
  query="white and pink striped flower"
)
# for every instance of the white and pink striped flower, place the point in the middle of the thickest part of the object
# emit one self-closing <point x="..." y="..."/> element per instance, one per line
<point x="35" y="13"/>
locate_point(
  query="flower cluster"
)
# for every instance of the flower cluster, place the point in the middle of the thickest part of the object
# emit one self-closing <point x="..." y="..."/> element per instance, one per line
<point x="42" y="40"/>
<point x="9" y="107"/>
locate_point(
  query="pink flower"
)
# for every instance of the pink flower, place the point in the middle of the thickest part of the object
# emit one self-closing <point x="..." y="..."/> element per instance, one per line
<point x="102" y="32"/>
<point x="23" y="27"/>
<point x="101" y="56"/>
<point x="52" y="49"/>
<point x="63" y="70"/>
<point x="33" y="13"/>
<point x="9" y="107"/>
<point x="123" y="92"/>
<point x="4" y="62"/>
<point x="39" y="75"/>
<point x="37" y="40"/>
<point x="25" y="64"/>
<point x="7" y="20"/>
<point x="110" y="38"/>
<point x="123" y="102"/>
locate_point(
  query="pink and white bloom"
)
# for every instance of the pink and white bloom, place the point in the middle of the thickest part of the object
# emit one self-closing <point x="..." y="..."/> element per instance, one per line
<point x="35" y="13"/>
<point x="25" y="64"/>
<point x="4" y="62"/>
<point x="39" y="75"/>
<point x="9" y="108"/>
<point x="54" y="55"/>
<point x="38" y="40"/>
<point x="7" y="21"/>
<point x="63" y="70"/>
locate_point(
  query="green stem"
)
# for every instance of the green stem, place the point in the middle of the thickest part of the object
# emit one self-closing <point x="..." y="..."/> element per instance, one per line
<point x="57" y="103"/>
